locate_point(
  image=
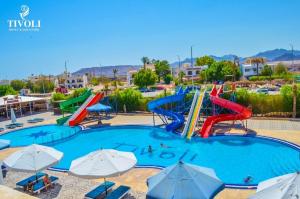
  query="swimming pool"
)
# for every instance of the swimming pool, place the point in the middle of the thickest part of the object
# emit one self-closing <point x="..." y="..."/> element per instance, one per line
<point x="232" y="157"/>
<point x="39" y="134"/>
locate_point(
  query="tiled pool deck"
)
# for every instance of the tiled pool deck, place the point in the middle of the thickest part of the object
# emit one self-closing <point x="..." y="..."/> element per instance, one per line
<point x="73" y="188"/>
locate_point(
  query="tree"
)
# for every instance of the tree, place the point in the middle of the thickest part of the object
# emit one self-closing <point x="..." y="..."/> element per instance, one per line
<point x="181" y="75"/>
<point x="115" y="71"/>
<point x="219" y="70"/>
<point x="6" y="90"/>
<point x="266" y="71"/>
<point x="162" y="68"/>
<point x="257" y="61"/>
<point x="144" y="78"/>
<point x="94" y="81"/>
<point x="29" y="85"/>
<point x="205" y="60"/>
<point x="43" y="86"/>
<point x="17" y="84"/>
<point x="280" y="69"/>
<point x="168" y="78"/>
<point x="145" y="61"/>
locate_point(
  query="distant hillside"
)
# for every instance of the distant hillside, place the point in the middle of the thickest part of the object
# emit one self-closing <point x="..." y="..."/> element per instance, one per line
<point x="273" y="55"/>
<point x="287" y="57"/>
<point x="270" y="55"/>
<point x="107" y="70"/>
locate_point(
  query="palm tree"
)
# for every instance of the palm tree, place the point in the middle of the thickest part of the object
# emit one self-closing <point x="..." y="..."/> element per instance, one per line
<point x="115" y="71"/>
<point x="236" y="60"/>
<point x="145" y="61"/>
<point x="257" y="61"/>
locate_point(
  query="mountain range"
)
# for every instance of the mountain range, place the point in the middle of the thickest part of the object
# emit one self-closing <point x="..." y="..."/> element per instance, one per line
<point x="270" y="55"/>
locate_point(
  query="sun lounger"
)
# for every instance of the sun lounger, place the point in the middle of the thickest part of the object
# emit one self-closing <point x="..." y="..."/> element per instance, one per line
<point x="18" y="124"/>
<point x="10" y="126"/>
<point x="25" y="182"/>
<point x="100" y="190"/>
<point x="39" y="119"/>
<point x="119" y="193"/>
<point x="32" y="121"/>
<point x="40" y="185"/>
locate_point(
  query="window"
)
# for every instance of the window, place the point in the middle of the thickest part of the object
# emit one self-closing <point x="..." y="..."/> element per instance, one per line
<point x="190" y="72"/>
<point x="197" y="72"/>
<point x="247" y="70"/>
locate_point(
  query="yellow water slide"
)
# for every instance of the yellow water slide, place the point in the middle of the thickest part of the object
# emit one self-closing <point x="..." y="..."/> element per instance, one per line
<point x="193" y="115"/>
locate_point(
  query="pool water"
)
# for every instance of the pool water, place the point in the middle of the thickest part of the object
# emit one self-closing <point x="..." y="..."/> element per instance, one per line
<point x="39" y="134"/>
<point x="232" y="157"/>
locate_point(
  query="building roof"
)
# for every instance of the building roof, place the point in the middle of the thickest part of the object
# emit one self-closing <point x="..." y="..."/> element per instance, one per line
<point x="21" y="99"/>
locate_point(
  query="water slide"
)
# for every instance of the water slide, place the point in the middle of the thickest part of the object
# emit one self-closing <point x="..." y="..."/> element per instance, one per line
<point x="155" y="106"/>
<point x="193" y="115"/>
<point x="71" y="105"/>
<point x="81" y="113"/>
<point x="240" y="112"/>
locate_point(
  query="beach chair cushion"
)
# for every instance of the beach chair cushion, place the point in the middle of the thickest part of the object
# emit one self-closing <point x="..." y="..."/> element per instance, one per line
<point x="18" y="124"/>
<point x="99" y="190"/>
<point x="119" y="193"/>
<point x="37" y="187"/>
<point x="25" y="182"/>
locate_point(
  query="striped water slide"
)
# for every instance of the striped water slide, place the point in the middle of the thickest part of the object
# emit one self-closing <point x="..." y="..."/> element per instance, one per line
<point x="193" y="115"/>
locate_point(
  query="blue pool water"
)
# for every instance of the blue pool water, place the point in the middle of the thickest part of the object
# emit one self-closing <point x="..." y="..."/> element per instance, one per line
<point x="232" y="157"/>
<point x="39" y="134"/>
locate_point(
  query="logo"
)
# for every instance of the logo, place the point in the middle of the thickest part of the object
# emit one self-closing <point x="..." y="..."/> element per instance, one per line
<point x="24" y="11"/>
<point x="24" y="24"/>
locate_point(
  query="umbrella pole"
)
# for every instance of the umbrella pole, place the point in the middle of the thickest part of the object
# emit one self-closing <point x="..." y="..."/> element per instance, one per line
<point x="105" y="186"/>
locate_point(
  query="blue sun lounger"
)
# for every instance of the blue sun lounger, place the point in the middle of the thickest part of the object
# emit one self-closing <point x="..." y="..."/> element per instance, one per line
<point x="39" y="186"/>
<point x="100" y="190"/>
<point x="119" y="193"/>
<point x="25" y="182"/>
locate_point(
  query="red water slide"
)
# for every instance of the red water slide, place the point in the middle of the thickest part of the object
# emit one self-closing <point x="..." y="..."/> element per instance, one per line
<point x="241" y="112"/>
<point x="79" y="116"/>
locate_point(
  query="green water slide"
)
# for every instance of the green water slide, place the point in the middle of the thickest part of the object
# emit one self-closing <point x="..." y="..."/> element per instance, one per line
<point x="71" y="105"/>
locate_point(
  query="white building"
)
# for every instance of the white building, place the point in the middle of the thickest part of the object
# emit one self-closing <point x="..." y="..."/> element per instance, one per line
<point x="72" y="81"/>
<point x="4" y="82"/>
<point x="192" y="72"/>
<point x="249" y="70"/>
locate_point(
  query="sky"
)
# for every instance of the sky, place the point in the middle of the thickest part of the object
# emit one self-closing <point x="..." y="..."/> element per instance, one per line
<point x="88" y="33"/>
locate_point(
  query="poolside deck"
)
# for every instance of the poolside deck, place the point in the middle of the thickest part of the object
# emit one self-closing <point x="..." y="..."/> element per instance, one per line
<point x="72" y="187"/>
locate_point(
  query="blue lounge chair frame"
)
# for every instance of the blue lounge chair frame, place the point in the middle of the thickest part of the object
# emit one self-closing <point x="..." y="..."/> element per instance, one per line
<point x="100" y="190"/>
<point x="24" y="183"/>
<point x="119" y="192"/>
<point x="40" y="185"/>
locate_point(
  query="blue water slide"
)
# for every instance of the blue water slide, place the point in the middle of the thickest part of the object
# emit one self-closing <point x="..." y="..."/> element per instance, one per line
<point x="177" y="119"/>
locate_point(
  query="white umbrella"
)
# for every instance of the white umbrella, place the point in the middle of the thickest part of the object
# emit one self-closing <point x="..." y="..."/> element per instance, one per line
<point x="182" y="181"/>
<point x="13" y="116"/>
<point x="33" y="158"/>
<point x="282" y="187"/>
<point x="103" y="163"/>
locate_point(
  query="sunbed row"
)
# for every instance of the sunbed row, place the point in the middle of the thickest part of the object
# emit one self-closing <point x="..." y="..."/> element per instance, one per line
<point x="36" y="183"/>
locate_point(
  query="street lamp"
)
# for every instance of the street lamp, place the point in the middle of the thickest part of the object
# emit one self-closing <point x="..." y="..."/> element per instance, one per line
<point x="294" y="87"/>
<point x="192" y="65"/>
<point x="179" y="64"/>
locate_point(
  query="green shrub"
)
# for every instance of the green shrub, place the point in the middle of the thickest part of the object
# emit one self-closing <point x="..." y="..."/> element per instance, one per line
<point x="129" y="97"/>
<point x="168" y="78"/>
<point x="7" y="90"/>
<point x="262" y="104"/>
<point x="58" y="97"/>
<point x="287" y="77"/>
<point x="77" y="92"/>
